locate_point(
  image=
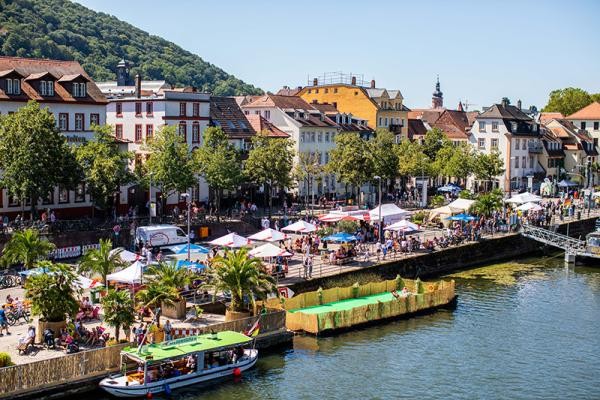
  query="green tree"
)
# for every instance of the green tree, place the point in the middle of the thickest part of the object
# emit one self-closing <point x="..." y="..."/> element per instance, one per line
<point x="34" y="156"/>
<point x="351" y="160"/>
<point x="155" y="294"/>
<point x="240" y="275"/>
<point x="53" y="295"/>
<point x="105" y="167"/>
<point x="412" y="160"/>
<point x="306" y="170"/>
<point x="269" y="163"/>
<point x="168" y="274"/>
<point x="434" y="141"/>
<point x="568" y="100"/>
<point x="119" y="310"/>
<point x="170" y="163"/>
<point x="487" y="167"/>
<point x="219" y="163"/>
<point x="27" y="247"/>
<point x="102" y="261"/>
<point x="460" y="164"/>
<point x="384" y="155"/>
<point x="488" y="203"/>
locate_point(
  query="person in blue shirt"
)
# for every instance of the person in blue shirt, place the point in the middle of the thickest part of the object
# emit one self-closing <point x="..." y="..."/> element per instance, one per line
<point x="3" y="321"/>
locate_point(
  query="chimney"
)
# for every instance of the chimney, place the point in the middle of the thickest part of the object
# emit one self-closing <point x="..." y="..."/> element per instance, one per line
<point x="519" y="104"/>
<point x="372" y="83"/>
<point x="138" y="86"/>
<point x="315" y="82"/>
<point x="504" y="102"/>
<point x="353" y="81"/>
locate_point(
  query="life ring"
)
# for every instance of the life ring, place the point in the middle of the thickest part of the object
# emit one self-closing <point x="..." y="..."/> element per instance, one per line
<point x="430" y="288"/>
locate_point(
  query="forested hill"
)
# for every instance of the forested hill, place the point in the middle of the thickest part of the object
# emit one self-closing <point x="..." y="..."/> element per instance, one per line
<point x="64" y="30"/>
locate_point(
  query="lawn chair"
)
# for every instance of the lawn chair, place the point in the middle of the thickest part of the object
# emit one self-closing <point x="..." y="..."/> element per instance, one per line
<point x="23" y="348"/>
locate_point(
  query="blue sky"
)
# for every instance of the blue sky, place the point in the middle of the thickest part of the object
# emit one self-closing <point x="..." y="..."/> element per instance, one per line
<point x="482" y="50"/>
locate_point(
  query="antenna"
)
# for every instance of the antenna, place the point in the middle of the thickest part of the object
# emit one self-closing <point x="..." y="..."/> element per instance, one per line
<point x="466" y="104"/>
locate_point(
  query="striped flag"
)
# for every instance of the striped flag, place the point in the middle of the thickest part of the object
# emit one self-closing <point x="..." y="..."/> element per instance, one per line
<point x="254" y="329"/>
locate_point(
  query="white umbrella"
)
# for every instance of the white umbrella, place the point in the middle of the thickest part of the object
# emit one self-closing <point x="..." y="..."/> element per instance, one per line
<point x="86" y="283"/>
<point x="403" y="225"/>
<point x="530" y="207"/>
<point x="300" y="227"/>
<point x="268" y="250"/>
<point x="389" y="212"/>
<point x="232" y="240"/>
<point x="268" y="235"/>
<point x="131" y="274"/>
<point x="524" y="198"/>
<point x="125" y="255"/>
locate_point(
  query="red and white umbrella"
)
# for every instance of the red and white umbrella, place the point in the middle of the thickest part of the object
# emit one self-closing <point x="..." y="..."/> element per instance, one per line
<point x="300" y="227"/>
<point x="232" y="240"/>
<point x="268" y="235"/>
<point x="269" y="250"/>
<point x="86" y="283"/>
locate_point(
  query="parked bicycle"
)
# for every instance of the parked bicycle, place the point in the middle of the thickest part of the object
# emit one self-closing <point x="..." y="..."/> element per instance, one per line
<point x="7" y="281"/>
<point x="15" y="315"/>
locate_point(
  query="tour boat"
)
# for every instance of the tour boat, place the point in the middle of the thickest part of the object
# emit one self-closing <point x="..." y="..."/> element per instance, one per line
<point x="157" y="368"/>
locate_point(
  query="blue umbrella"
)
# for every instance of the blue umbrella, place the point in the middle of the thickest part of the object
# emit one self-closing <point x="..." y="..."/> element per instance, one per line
<point x="461" y="217"/>
<point x="183" y="249"/>
<point x="35" y="271"/>
<point x="190" y="265"/>
<point x="342" y="237"/>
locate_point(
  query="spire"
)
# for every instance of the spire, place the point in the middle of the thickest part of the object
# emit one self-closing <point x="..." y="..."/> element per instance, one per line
<point x="460" y="107"/>
<point x="437" y="101"/>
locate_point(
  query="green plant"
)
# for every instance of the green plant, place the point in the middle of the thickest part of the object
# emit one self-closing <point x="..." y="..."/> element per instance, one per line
<point x="325" y="231"/>
<point x="320" y="295"/>
<point x="52" y="293"/>
<point x="27" y="247"/>
<point x="355" y="290"/>
<point x="348" y="226"/>
<point x="437" y="200"/>
<point x="487" y="203"/>
<point x="242" y="276"/>
<point x="101" y="260"/>
<point x="465" y="194"/>
<point x="118" y="310"/>
<point x="169" y="275"/>
<point x="418" y="217"/>
<point x="400" y="283"/>
<point x="420" y="287"/>
<point x="5" y="360"/>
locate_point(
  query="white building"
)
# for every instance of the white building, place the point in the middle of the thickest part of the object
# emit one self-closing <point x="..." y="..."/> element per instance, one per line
<point x="588" y="119"/>
<point x="517" y="139"/>
<point x="136" y="117"/>
<point x="310" y="129"/>
<point x="77" y="104"/>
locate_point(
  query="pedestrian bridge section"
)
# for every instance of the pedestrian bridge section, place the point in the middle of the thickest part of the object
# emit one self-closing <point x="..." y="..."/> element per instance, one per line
<point x="570" y="245"/>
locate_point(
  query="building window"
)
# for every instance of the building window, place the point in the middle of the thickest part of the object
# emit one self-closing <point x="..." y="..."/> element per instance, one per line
<point x="119" y="109"/>
<point x="516" y="162"/>
<point x="195" y="110"/>
<point x="63" y="121"/>
<point x="312" y="137"/>
<point x="182" y="109"/>
<point x="301" y="137"/>
<point x="335" y="90"/>
<point x="138" y="133"/>
<point x="481" y="143"/>
<point x="119" y="131"/>
<point x="583" y="125"/>
<point x="386" y="121"/>
<point x="495" y="126"/>
<point x="149" y="131"/>
<point x="326" y="90"/>
<point x="333" y="136"/>
<point x="79" y="122"/>
<point x="309" y="91"/>
<point x="63" y="195"/>
<point x="79" y="89"/>
<point x="524" y="162"/>
<point x="80" y="193"/>
<point x="481" y="126"/>
<point x="195" y="132"/>
<point x="183" y="130"/>
<point x="595" y="142"/>
<point x="13" y="86"/>
<point x="94" y="119"/>
<point x="596" y="125"/>
<point x="380" y="121"/>
<point x="149" y="109"/>
<point x="47" y="88"/>
<point x="320" y="137"/>
<point x="326" y="136"/>
<point x="267" y="114"/>
<point x="530" y="162"/>
<point x="13" y="200"/>
<point x="494" y="144"/>
<point x="138" y="109"/>
<point x="49" y="199"/>
<point x="518" y="144"/>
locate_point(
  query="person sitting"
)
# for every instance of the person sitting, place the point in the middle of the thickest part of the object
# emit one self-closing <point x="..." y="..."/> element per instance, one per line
<point x="404" y="291"/>
<point x="26" y="341"/>
<point x="9" y="299"/>
<point x="49" y="341"/>
<point x="395" y="294"/>
<point x="191" y="363"/>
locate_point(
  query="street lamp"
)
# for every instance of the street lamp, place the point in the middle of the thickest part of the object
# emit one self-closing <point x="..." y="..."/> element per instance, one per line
<point x="188" y="199"/>
<point x="380" y="230"/>
<point x="150" y="200"/>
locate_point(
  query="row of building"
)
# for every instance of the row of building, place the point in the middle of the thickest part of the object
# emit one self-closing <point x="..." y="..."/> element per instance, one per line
<point x="538" y="145"/>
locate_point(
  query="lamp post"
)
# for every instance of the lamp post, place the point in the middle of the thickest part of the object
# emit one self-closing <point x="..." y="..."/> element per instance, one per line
<point x="380" y="230"/>
<point x="150" y="201"/>
<point x="188" y="199"/>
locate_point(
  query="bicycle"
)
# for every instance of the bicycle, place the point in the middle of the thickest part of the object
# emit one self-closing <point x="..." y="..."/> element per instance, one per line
<point x="6" y="281"/>
<point x="14" y="316"/>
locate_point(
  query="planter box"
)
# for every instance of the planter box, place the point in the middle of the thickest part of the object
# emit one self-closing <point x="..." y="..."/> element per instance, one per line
<point x="235" y="315"/>
<point x="43" y="325"/>
<point x="177" y="311"/>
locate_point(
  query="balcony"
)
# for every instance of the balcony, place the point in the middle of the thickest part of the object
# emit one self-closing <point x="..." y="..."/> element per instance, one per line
<point x="395" y="128"/>
<point x="535" y="148"/>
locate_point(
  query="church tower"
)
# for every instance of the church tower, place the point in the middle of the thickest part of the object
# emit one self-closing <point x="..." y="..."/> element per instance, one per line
<point x="123" y="77"/>
<point x="437" y="101"/>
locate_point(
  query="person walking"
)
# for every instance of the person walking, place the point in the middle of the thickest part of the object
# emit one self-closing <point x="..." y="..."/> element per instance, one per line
<point x="3" y="321"/>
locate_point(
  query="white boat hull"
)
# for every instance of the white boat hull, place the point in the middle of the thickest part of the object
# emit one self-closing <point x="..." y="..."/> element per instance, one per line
<point x="117" y="385"/>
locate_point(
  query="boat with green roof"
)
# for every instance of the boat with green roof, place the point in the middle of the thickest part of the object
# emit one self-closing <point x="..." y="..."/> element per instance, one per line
<point x="173" y="364"/>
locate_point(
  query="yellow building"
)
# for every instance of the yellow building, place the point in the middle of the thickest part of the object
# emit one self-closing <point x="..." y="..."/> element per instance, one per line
<point x="382" y="108"/>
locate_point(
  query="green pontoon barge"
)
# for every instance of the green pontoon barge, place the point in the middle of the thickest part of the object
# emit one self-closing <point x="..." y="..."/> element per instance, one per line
<point x="157" y="368"/>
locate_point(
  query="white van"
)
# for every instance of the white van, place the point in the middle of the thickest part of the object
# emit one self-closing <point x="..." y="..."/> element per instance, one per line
<point x="160" y="235"/>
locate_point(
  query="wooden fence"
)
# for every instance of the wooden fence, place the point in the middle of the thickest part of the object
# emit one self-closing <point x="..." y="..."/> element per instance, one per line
<point x="270" y="322"/>
<point x="58" y="371"/>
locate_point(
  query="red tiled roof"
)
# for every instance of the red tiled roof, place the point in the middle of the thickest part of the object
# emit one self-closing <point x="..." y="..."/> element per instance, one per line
<point x="225" y="112"/>
<point x="591" y="111"/>
<point x="416" y="128"/>
<point x="63" y="70"/>
<point x="546" y="117"/>
<point x="260" y="124"/>
<point x="291" y="103"/>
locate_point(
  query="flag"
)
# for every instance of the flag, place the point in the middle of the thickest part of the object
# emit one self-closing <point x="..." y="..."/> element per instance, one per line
<point x="254" y="329"/>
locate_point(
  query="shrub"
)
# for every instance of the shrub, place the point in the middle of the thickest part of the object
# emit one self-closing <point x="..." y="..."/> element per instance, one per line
<point x="348" y="226"/>
<point x="437" y="200"/>
<point x="355" y="290"/>
<point x="399" y="283"/>
<point x="418" y="217"/>
<point x="420" y="287"/>
<point x="320" y="295"/>
<point x="5" y="360"/>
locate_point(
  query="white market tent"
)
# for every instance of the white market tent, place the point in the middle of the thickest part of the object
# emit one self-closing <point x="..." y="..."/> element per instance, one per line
<point x="232" y="240"/>
<point x="300" y="227"/>
<point x="389" y="212"/>
<point x="403" y="226"/>
<point x="462" y="204"/>
<point x="131" y="274"/>
<point x="125" y="255"/>
<point x="524" y="198"/>
<point x="85" y="283"/>
<point x="268" y="235"/>
<point x="268" y="250"/>
<point x="529" y="207"/>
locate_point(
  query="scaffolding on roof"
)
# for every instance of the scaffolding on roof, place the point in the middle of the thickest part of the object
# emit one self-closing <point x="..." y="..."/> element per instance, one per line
<point x="339" y="77"/>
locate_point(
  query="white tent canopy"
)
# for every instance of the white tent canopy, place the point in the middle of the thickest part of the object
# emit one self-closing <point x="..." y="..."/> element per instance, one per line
<point x="389" y="212"/>
<point x="85" y="283"/>
<point x="131" y="274"/>
<point x="125" y="255"/>
<point x="268" y="250"/>
<point x="268" y="235"/>
<point x="524" y="198"/>
<point x="529" y="207"/>
<point x="300" y="227"/>
<point x="462" y="204"/>
<point x="232" y="240"/>
<point x="403" y="225"/>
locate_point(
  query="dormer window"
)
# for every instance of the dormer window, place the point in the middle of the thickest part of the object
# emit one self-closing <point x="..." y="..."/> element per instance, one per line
<point x="13" y="86"/>
<point x="535" y="127"/>
<point x="47" y="88"/>
<point x="513" y="127"/>
<point x="79" y="89"/>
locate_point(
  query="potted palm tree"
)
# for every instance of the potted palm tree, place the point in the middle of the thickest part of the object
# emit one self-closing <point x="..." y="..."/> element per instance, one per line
<point x="27" y="247"/>
<point x="53" y="296"/>
<point x="168" y="275"/>
<point x="102" y="261"/>
<point x="242" y="276"/>
<point x="118" y="310"/>
<point x="487" y="203"/>
<point x="157" y="295"/>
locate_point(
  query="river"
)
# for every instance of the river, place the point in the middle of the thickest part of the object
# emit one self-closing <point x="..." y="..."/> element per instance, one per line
<point x="521" y="330"/>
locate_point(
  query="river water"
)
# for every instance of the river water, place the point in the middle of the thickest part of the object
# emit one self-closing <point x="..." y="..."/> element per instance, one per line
<point x="521" y="330"/>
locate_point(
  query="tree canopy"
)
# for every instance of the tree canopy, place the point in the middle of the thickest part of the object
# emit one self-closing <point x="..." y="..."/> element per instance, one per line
<point x="65" y="30"/>
<point x="351" y="160"/>
<point x="568" y="100"/>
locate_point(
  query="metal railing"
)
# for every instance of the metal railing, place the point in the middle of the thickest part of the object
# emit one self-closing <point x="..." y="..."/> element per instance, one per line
<point x="568" y="244"/>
